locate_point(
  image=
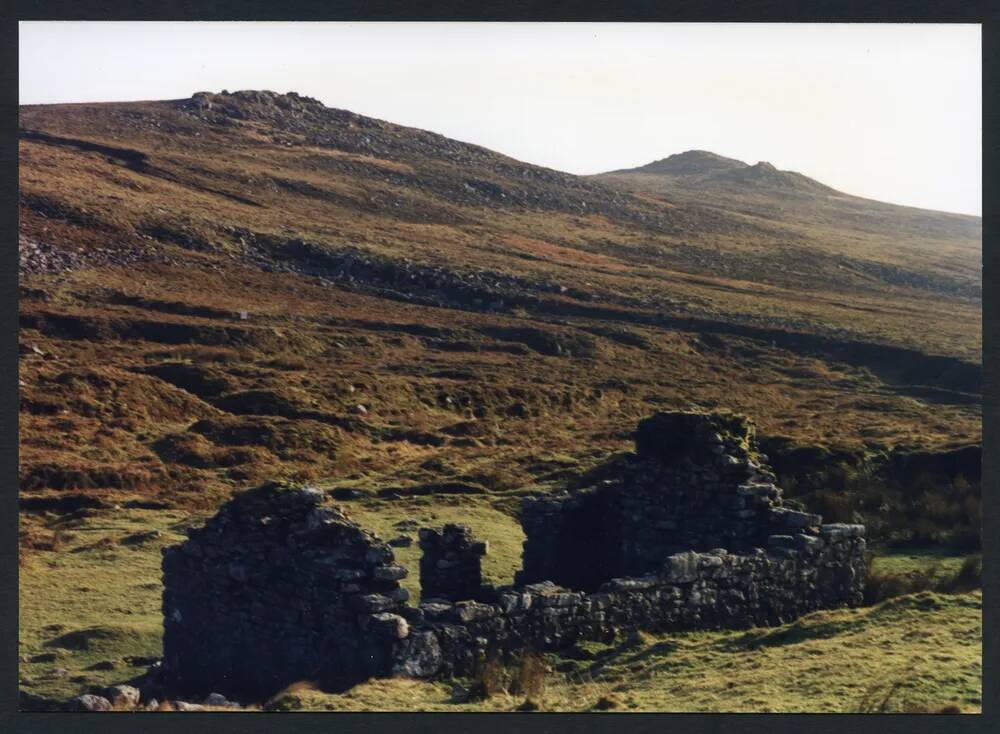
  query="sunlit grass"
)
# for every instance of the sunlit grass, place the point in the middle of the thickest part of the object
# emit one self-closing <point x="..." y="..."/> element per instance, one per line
<point x="97" y="601"/>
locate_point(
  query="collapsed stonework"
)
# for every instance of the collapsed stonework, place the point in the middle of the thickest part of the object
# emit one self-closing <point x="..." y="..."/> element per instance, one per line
<point x="690" y="533"/>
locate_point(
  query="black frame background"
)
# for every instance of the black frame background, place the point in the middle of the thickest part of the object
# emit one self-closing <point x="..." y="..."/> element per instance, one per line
<point x="816" y="11"/>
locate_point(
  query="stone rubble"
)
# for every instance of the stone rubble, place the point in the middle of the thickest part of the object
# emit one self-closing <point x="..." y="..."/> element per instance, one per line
<point x="88" y="702"/>
<point x="123" y="696"/>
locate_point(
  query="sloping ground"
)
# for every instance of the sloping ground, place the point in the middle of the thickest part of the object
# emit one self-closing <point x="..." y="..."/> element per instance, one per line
<point x="89" y="597"/>
<point x="230" y="288"/>
<point x="90" y="617"/>
<point x="864" y="239"/>
<point x="927" y="658"/>
<point x="256" y="173"/>
<point x="128" y="394"/>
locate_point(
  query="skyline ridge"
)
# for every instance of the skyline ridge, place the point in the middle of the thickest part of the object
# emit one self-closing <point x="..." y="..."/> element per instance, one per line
<point x="691" y="160"/>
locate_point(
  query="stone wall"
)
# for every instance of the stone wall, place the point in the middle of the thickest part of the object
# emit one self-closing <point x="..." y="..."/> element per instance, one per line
<point x="275" y="589"/>
<point x="696" y="482"/>
<point x="689" y="534"/>
<point x="451" y="563"/>
<point x="797" y="574"/>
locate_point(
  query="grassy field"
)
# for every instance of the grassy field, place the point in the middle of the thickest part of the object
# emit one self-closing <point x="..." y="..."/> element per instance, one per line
<point x="90" y="613"/>
<point x="938" y="562"/>
<point x="93" y="603"/>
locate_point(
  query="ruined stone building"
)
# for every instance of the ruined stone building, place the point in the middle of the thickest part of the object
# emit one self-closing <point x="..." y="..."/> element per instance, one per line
<point x="688" y="532"/>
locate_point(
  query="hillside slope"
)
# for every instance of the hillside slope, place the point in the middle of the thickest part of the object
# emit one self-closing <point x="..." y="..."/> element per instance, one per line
<point x="889" y="244"/>
<point x="231" y="287"/>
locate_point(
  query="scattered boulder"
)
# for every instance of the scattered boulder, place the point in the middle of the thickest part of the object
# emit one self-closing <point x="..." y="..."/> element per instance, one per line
<point x="220" y="701"/>
<point x="123" y="696"/>
<point x="42" y="257"/>
<point x="186" y="706"/>
<point x="88" y="702"/>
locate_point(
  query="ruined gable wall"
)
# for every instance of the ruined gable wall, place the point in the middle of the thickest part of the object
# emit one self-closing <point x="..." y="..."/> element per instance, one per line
<point x="696" y="482"/>
<point x="275" y="589"/>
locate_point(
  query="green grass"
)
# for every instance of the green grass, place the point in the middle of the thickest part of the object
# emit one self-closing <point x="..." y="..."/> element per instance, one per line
<point x="93" y="601"/>
<point x="501" y="530"/>
<point x="915" y="653"/>
<point x="827" y="661"/>
<point x="92" y="418"/>
<point x="940" y="561"/>
<point x="96" y="600"/>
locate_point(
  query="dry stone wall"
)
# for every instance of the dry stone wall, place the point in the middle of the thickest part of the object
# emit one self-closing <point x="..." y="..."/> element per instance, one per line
<point x="696" y="482"/>
<point x="691" y="590"/>
<point x="689" y="534"/>
<point x="274" y="589"/>
<point x="451" y="563"/>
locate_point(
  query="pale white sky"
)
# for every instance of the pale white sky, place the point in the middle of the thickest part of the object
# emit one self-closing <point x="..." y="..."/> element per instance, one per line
<point x="891" y="112"/>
